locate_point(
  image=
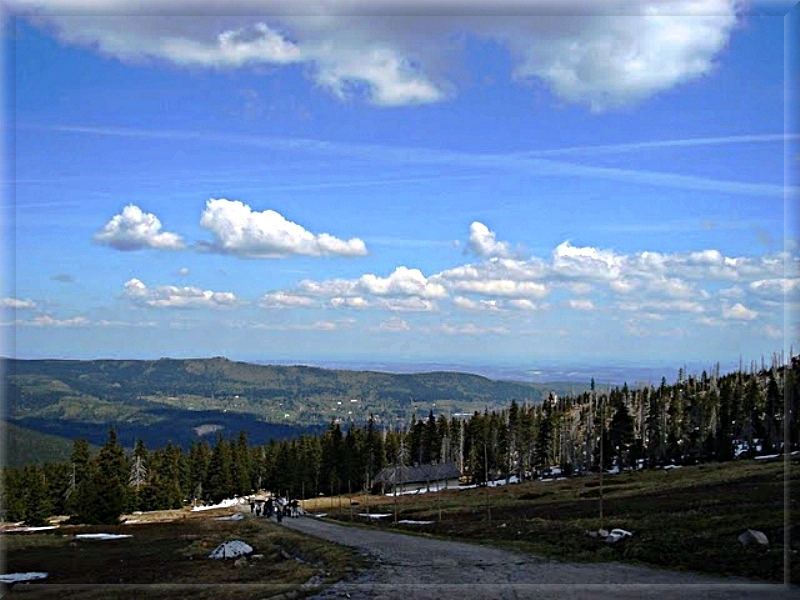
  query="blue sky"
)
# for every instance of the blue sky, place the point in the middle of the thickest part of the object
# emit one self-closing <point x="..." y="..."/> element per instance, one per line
<point x="584" y="187"/>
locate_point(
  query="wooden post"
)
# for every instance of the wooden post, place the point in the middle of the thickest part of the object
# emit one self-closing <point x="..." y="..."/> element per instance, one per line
<point x="486" y="474"/>
<point x="602" y="464"/>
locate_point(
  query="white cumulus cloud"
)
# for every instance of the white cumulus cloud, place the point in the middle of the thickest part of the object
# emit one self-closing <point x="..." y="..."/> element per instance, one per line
<point x="394" y="324"/>
<point x="170" y="296"/>
<point x="283" y="299"/>
<point x="739" y="312"/>
<point x="522" y="304"/>
<point x="471" y="329"/>
<point x="408" y="304"/>
<point x="134" y="229"/>
<point x="403" y="281"/>
<point x="239" y="230"/>
<point x="17" y="304"/>
<point x="581" y="304"/>
<point x="349" y="302"/>
<point x="483" y="242"/>
<point x="48" y="321"/>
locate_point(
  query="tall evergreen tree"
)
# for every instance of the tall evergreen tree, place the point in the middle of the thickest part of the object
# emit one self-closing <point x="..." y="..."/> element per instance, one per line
<point x="219" y="480"/>
<point x="104" y="496"/>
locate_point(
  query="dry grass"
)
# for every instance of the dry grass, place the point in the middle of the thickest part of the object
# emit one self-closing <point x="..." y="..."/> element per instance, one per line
<point x="165" y="559"/>
<point x="688" y="518"/>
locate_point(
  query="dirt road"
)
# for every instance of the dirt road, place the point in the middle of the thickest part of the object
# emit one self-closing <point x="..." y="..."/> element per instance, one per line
<point x="406" y="567"/>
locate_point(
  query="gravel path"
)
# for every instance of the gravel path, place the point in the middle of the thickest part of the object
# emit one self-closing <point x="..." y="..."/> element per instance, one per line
<point x="407" y="566"/>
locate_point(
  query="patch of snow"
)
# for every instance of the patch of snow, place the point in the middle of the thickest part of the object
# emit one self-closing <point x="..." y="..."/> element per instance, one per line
<point x="28" y="529"/>
<point x="617" y="534"/>
<point x="102" y="536"/>
<point x="231" y="549"/>
<point x="545" y="480"/>
<point x="17" y="577"/>
<point x="320" y="515"/>
<point x="227" y="503"/>
<point x="670" y="467"/>
<point x="375" y="515"/>
<point x="410" y="522"/>
<point x="767" y="457"/>
<point x="234" y="517"/>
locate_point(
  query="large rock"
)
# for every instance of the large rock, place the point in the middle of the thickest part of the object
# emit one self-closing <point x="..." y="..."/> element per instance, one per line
<point x="751" y="536"/>
<point x="231" y="549"/>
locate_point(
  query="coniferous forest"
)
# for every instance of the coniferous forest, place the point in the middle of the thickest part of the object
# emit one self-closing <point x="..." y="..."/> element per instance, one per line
<point x="694" y="419"/>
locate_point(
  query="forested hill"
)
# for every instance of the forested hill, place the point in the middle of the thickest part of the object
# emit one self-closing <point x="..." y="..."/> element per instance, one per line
<point x="60" y="396"/>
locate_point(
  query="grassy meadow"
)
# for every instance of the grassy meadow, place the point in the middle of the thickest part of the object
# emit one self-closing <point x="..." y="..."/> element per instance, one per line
<point x="687" y="518"/>
<point x="167" y="558"/>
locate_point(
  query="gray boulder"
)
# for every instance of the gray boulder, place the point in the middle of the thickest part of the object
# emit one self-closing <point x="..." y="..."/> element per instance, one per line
<point x="231" y="549"/>
<point x="751" y="536"/>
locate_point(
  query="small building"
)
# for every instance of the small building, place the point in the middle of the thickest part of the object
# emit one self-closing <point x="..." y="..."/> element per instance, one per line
<point x="417" y="478"/>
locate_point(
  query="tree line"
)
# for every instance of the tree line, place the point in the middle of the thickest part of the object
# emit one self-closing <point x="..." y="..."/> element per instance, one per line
<point x="710" y="417"/>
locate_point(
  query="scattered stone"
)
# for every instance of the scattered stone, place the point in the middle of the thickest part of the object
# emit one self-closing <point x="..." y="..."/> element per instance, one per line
<point x="231" y="549"/>
<point x="752" y="536"/>
<point x="603" y="533"/>
<point x="257" y="557"/>
<point x="233" y="517"/>
<point x="240" y="562"/>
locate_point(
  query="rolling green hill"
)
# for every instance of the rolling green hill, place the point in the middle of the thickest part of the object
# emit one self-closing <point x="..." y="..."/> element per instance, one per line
<point x="25" y="446"/>
<point x="176" y="398"/>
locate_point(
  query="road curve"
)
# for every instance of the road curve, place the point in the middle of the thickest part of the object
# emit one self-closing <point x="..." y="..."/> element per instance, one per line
<point x="407" y="566"/>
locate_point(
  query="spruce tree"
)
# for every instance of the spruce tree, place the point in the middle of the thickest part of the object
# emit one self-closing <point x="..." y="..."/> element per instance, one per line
<point x="219" y="480"/>
<point x="38" y="507"/>
<point x="109" y="498"/>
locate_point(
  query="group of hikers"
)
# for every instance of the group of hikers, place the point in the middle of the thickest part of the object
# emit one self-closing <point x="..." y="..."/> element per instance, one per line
<point x="280" y="507"/>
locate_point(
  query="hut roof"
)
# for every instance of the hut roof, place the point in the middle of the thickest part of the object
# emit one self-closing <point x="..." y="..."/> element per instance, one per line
<point x="418" y="473"/>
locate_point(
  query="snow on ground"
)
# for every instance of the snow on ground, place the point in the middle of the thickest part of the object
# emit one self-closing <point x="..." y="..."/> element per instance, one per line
<point x="670" y="467"/>
<point x="227" y="503"/>
<point x="102" y="536"/>
<point x="319" y="515"/>
<point x="234" y="517"/>
<point x="375" y="515"/>
<point x="767" y="457"/>
<point x="410" y="522"/>
<point x="499" y="482"/>
<point x="17" y="577"/>
<point x="17" y="529"/>
<point x="436" y="487"/>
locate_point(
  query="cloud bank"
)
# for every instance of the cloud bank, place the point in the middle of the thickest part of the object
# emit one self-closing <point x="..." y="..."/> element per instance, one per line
<point x="601" y="55"/>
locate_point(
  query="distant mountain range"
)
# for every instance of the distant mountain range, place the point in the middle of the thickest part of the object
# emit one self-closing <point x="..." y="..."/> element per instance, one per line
<point x="578" y="374"/>
<point x="182" y="399"/>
